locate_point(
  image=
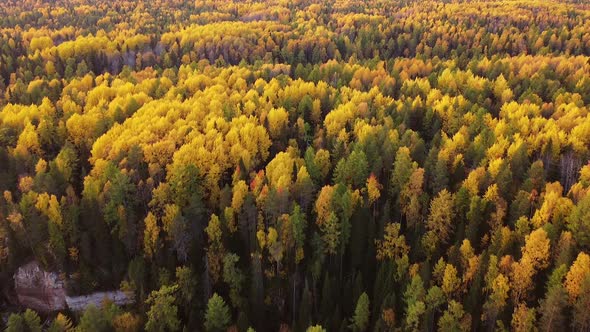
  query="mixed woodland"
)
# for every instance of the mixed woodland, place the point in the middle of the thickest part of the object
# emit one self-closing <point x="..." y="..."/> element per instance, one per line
<point x="301" y="165"/>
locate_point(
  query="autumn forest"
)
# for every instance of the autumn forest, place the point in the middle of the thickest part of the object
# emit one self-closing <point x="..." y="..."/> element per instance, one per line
<point x="294" y="165"/>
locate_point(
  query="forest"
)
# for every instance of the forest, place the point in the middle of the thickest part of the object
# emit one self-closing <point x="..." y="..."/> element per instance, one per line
<point x="297" y="165"/>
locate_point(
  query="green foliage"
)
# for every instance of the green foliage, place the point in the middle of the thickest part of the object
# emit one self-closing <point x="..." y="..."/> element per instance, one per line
<point x="96" y="319"/>
<point x="293" y="155"/>
<point x="331" y="230"/>
<point x="316" y="328"/>
<point x="217" y="317"/>
<point x="163" y="312"/>
<point x="454" y="319"/>
<point x="360" y="320"/>
<point x="16" y="323"/>
<point x="187" y="283"/>
<point x="61" y="323"/>
<point x="233" y="277"/>
<point x="353" y="170"/>
<point x="28" y="321"/>
<point x="581" y="316"/>
<point x="578" y="222"/>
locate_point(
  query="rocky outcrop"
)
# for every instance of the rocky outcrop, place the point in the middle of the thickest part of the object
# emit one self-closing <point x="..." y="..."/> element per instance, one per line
<point x="79" y="303"/>
<point x="45" y="292"/>
<point x="38" y="289"/>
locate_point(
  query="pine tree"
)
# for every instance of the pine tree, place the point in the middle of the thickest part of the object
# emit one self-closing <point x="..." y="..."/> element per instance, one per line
<point x="95" y="319"/>
<point x="331" y="230"/>
<point x="415" y="306"/>
<point x="360" y="321"/>
<point x="578" y="222"/>
<point x="15" y="323"/>
<point x="233" y="277"/>
<point x="28" y="321"/>
<point x="454" y="318"/>
<point x="163" y="312"/>
<point x="61" y="323"/>
<point x="402" y="171"/>
<point x="581" y="314"/>
<point x="217" y="317"/>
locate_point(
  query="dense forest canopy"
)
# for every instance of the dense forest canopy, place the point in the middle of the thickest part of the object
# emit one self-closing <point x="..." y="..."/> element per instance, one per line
<point x="298" y="165"/>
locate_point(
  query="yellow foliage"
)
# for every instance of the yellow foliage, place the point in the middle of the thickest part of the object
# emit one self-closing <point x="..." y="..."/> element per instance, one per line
<point x="373" y="189"/>
<point x="579" y="270"/>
